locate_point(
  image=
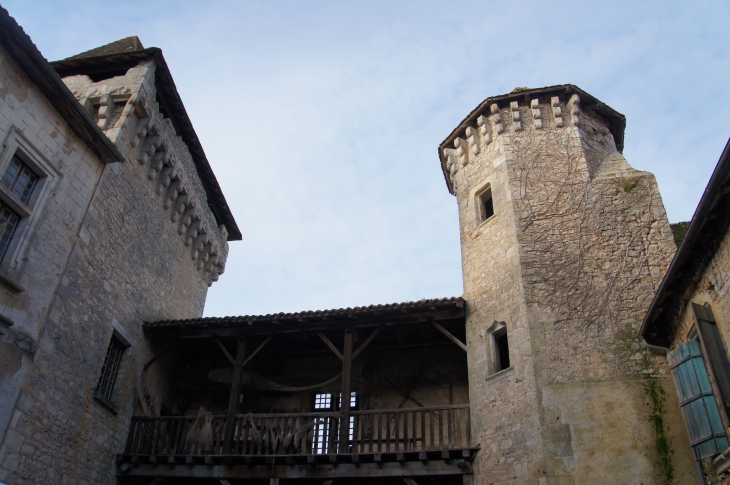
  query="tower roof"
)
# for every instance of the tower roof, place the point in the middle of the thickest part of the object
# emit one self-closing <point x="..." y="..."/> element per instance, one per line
<point x="22" y="50"/>
<point x="114" y="60"/>
<point x="615" y="121"/>
<point x="127" y="44"/>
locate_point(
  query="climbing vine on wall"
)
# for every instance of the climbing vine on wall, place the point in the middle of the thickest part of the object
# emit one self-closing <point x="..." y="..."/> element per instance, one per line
<point x="583" y="238"/>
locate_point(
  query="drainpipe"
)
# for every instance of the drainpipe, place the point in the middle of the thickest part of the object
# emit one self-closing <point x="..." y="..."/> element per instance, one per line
<point x="655" y="348"/>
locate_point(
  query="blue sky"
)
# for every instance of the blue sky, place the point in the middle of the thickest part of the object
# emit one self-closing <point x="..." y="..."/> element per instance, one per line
<point x="321" y="119"/>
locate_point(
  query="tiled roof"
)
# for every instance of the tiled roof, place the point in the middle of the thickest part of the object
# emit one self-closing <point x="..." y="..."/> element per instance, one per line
<point x="319" y="315"/>
<point x="128" y="44"/>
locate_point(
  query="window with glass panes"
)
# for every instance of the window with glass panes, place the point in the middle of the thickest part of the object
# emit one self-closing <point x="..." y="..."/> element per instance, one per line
<point x="109" y="370"/>
<point x="326" y="431"/>
<point x="8" y="224"/>
<point x="20" y="180"/>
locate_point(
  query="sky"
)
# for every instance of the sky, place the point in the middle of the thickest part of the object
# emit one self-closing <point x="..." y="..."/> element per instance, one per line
<point x="322" y="119"/>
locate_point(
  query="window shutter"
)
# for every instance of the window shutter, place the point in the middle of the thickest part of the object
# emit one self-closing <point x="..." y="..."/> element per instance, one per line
<point x="714" y="349"/>
<point x="701" y="415"/>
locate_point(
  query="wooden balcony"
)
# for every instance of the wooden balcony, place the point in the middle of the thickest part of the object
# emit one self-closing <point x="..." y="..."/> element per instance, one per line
<point x="392" y="442"/>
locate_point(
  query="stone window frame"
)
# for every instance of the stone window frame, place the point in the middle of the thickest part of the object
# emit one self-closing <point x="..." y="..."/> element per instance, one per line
<point x="16" y="145"/>
<point x="112" y="403"/>
<point x="493" y="366"/>
<point x="481" y="210"/>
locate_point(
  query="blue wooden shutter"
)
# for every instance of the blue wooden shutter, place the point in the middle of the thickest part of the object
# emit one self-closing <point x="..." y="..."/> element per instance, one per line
<point x="701" y="416"/>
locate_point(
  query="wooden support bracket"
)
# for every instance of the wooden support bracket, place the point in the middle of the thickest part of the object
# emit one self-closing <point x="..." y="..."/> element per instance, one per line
<point x="449" y="335"/>
<point x="156" y="356"/>
<point x="225" y="352"/>
<point x="253" y="354"/>
<point x="367" y="342"/>
<point x="331" y="346"/>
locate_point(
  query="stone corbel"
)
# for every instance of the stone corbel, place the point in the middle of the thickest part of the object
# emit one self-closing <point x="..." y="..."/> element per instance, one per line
<point x="472" y="139"/>
<point x="88" y="106"/>
<point x="175" y="187"/>
<point x="159" y="160"/>
<point x="557" y="111"/>
<point x="167" y="174"/>
<point x="212" y="260"/>
<point x="182" y="198"/>
<point x="186" y="217"/>
<point x="514" y="107"/>
<point x="496" y="118"/>
<point x="459" y="143"/>
<point x="192" y="231"/>
<point x="106" y="110"/>
<point x="574" y="104"/>
<point x="144" y="126"/>
<point x="483" y="124"/>
<point x="150" y="146"/>
<point x="203" y="254"/>
<point x="536" y="114"/>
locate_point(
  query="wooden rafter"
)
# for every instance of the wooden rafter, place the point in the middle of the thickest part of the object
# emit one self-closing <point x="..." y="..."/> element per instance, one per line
<point x="367" y="342"/>
<point x="331" y="346"/>
<point x="156" y="356"/>
<point x="253" y="354"/>
<point x="449" y="335"/>
<point x="225" y="352"/>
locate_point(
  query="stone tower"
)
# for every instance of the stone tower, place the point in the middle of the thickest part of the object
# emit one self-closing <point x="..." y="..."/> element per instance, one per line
<point x="563" y="247"/>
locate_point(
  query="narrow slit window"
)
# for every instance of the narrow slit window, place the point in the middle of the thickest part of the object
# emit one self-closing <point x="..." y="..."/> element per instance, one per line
<point x="109" y="370"/>
<point x="484" y="205"/>
<point x="501" y="350"/>
<point x="20" y="180"/>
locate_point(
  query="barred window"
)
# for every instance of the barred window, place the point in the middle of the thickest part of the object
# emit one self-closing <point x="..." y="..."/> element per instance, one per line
<point x="20" y="180"/>
<point x="8" y="224"/>
<point x="110" y="368"/>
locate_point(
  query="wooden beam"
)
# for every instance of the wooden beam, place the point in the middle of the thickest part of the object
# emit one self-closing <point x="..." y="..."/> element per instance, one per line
<point x="346" y="397"/>
<point x="331" y="346"/>
<point x="449" y="335"/>
<point x="225" y="352"/>
<point x="156" y="356"/>
<point x="409" y="481"/>
<point x="253" y="354"/>
<point x="366" y="342"/>
<point x="234" y="399"/>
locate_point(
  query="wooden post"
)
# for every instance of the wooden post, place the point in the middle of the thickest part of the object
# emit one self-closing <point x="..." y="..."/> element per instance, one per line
<point x="346" y="386"/>
<point x="235" y="396"/>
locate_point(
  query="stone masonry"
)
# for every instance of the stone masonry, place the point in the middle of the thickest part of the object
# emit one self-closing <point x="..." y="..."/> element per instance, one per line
<point x="117" y="244"/>
<point x="569" y="262"/>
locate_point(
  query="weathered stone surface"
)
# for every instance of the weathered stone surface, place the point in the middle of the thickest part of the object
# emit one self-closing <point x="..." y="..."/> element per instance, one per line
<point x="107" y="254"/>
<point x="569" y="262"/>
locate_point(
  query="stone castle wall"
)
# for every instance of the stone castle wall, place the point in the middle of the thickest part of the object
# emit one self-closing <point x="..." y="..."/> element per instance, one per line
<point x="141" y="250"/>
<point x="570" y="261"/>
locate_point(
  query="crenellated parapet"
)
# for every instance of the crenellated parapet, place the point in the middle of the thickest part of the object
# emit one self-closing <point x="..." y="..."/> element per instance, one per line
<point x="553" y="108"/>
<point x="127" y="110"/>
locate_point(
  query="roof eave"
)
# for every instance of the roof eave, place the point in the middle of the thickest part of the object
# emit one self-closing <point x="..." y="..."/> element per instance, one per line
<point x="699" y="221"/>
<point x="172" y="103"/>
<point x="49" y="83"/>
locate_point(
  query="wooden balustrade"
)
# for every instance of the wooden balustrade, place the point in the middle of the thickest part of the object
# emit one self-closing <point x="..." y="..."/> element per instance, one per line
<point x="378" y="431"/>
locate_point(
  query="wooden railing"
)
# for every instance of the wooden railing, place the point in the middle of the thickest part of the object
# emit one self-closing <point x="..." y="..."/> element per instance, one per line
<point x="379" y="431"/>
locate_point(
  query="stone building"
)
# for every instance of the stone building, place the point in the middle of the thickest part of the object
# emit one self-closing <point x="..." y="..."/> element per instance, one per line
<point x="563" y="247"/>
<point x="110" y="215"/>
<point x="113" y="226"/>
<point x="689" y="321"/>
